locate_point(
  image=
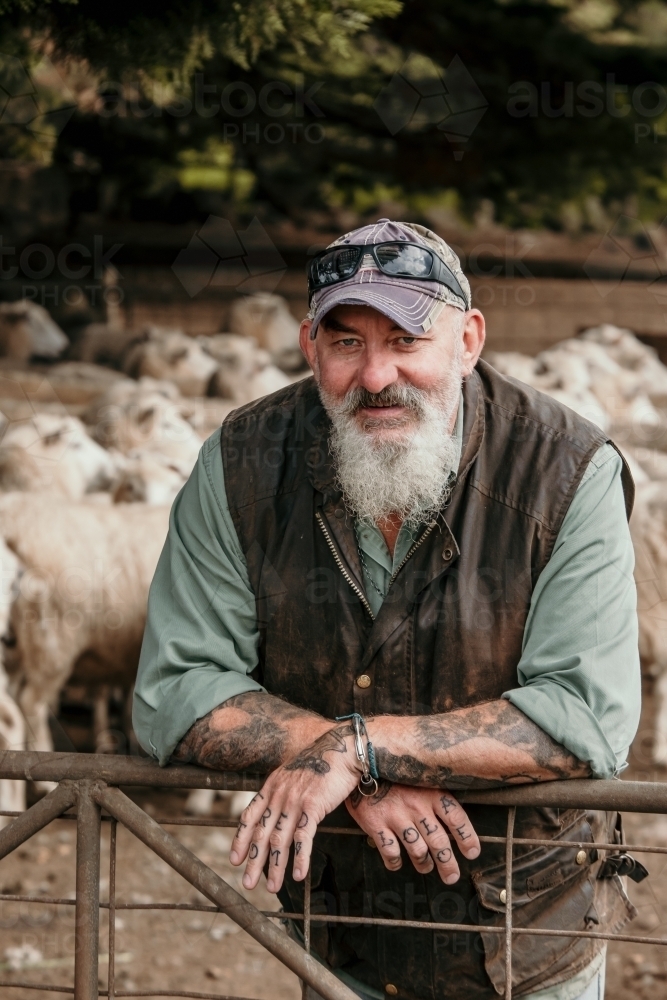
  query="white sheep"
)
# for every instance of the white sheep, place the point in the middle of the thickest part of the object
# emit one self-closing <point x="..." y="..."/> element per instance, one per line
<point x="170" y="354"/>
<point x="53" y="453"/>
<point x="145" y="415"/>
<point x="244" y="371"/>
<point x="81" y="603"/>
<point x="12" y="725"/>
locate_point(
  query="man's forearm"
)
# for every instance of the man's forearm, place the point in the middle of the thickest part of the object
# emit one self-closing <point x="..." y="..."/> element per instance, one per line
<point x="481" y="747"/>
<point x="250" y="732"/>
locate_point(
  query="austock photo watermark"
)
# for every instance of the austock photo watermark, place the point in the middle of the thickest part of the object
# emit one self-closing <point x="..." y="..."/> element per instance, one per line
<point x="74" y="275"/>
<point x="231" y="104"/>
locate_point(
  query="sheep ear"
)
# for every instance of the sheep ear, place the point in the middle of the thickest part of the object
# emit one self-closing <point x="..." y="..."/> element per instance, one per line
<point x="146" y="415"/>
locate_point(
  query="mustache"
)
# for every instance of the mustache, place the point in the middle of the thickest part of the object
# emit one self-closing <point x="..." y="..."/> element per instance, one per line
<point x="395" y="394"/>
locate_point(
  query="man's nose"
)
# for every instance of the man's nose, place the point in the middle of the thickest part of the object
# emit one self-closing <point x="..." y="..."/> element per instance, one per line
<point x="376" y="373"/>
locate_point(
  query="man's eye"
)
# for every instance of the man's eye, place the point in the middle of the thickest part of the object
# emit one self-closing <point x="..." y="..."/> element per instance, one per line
<point x="408" y="340"/>
<point x="348" y="342"/>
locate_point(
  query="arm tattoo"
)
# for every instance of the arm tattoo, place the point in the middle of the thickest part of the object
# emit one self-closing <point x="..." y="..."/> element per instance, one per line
<point x="500" y="722"/>
<point x="256" y="741"/>
<point x="312" y="758"/>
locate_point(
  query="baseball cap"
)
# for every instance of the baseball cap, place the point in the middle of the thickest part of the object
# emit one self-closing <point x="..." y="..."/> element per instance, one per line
<point x="414" y="305"/>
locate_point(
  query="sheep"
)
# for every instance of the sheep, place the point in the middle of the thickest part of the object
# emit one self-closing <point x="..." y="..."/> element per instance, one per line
<point x="245" y="371"/>
<point x="605" y="375"/>
<point x="648" y="525"/>
<point x="27" y="330"/>
<point x="148" y="477"/>
<point x="81" y="603"/>
<point x="267" y="319"/>
<point x="12" y="725"/>
<point x="145" y="415"/>
<point x="170" y="354"/>
<point x="53" y="453"/>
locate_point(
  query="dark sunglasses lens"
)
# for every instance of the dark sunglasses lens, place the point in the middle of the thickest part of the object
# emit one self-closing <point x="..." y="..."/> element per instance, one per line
<point x="337" y="265"/>
<point x="405" y="260"/>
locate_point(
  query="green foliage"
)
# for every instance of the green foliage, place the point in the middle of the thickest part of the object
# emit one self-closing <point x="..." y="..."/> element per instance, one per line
<point x="165" y="142"/>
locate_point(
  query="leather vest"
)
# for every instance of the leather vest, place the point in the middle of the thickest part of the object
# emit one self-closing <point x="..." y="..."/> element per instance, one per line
<point x="448" y="635"/>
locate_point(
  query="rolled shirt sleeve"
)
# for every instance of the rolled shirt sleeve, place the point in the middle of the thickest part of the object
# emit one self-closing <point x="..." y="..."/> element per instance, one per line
<point x="579" y="672"/>
<point x="201" y="638"/>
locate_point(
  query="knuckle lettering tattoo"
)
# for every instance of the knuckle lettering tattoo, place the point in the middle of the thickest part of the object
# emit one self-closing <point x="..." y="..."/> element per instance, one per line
<point x="429" y="829"/>
<point x="443" y="856"/>
<point x="303" y="822"/>
<point x="253" y="852"/>
<point x="462" y="834"/>
<point x="275" y="853"/>
<point x="298" y="844"/>
<point x="280" y="819"/>
<point x="448" y="803"/>
<point x="265" y="815"/>
<point x="410" y="835"/>
<point x="385" y="841"/>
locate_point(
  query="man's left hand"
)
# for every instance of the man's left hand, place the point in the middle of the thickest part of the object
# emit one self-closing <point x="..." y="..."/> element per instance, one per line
<point x="416" y="819"/>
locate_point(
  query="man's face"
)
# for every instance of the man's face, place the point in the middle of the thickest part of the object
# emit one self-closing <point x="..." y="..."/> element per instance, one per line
<point x="358" y="348"/>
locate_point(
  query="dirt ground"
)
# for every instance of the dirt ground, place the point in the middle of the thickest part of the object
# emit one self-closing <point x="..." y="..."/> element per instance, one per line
<point x="204" y="951"/>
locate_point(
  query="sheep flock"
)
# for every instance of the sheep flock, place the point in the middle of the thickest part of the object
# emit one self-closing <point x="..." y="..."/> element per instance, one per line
<point x="94" y="448"/>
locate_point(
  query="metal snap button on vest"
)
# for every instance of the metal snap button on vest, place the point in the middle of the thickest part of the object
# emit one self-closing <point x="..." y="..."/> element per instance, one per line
<point x="370" y="842"/>
<point x="447" y="554"/>
<point x="581" y="857"/>
<point x="391" y="989"/>
<point x="363" y="681"/>
<point x="339" y="512"/>
<point x="503" y="896"/>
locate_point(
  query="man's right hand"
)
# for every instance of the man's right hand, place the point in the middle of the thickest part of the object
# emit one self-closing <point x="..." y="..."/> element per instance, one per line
<point x="294" y="799"/>
<point x="416" y="819"/>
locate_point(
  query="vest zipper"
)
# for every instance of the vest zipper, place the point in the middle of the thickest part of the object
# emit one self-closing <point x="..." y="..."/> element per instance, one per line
<point x="339" y="562"/>
<point x="411" y="552"/>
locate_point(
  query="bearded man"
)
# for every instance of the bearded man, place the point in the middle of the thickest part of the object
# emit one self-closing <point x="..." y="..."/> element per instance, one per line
<point x="411" y="551"/>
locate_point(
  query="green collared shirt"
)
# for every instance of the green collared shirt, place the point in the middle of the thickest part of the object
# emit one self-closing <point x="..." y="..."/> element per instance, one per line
<point x="578" y="677"/>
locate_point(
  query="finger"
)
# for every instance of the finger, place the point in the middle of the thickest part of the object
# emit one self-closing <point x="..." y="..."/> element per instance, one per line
<point x="440" y="848"/>
<point x="416" y="847"/>
<point x="279" y="845"/>
<point x="249" y="818"/>
<point x="455" y="818"/>
<point x="260" y="842"/>
<point x="303" y="842"/>
<point x="388" y="844"/>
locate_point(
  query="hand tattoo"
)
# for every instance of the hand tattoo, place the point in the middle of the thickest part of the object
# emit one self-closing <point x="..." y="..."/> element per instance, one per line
<point x="312" y="758"/>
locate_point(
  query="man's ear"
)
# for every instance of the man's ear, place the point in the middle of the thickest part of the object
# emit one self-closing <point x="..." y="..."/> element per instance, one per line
<point x="474" y="335"/>
<point x="307" y="345"/>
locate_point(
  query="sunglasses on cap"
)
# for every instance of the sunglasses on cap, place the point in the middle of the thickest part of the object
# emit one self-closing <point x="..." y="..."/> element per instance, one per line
<point x="397" y="259"/>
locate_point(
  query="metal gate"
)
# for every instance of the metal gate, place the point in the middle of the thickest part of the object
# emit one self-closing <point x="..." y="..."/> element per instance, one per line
<point x="88" y="784"/>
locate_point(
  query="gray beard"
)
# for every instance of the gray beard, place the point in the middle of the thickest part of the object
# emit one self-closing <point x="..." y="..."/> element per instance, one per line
<point x="410" y="477"/>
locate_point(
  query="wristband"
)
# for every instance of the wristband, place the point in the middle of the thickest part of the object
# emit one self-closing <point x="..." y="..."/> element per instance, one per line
<point x="368" y="783"/>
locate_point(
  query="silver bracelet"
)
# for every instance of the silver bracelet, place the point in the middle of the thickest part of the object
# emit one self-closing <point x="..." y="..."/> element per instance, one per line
<point x="368" y="783"/>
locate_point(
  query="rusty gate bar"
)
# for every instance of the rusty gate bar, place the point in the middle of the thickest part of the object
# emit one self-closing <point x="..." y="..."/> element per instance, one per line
<point x="509" y="863"/>
<point x="111" y="977"/>
<point x="87" y="923"/>
<point x="216" y="889"/>
<point x="38" y="816"/>
<point x="576" y="793"/>
<point x="85" y="781"/>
